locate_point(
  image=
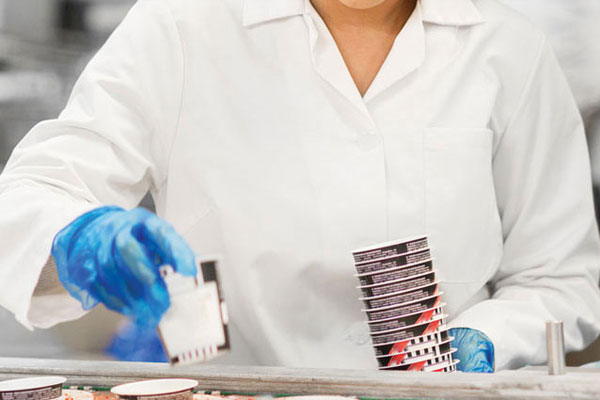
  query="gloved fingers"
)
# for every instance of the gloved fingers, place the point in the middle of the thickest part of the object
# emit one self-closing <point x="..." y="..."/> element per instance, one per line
<point x="110" y="301"/>
<point x="473" y="361"/>
<point x="474" y="350"/>
<point x="110" y="282"/>
<point x="162" y="241"/>
<point x="151" y="298"/>
<point x="149" y="310"/>
<point x="134" y="261"/>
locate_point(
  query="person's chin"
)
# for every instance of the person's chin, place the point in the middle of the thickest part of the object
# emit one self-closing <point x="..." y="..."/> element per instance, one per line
<point x="361" y="4"/>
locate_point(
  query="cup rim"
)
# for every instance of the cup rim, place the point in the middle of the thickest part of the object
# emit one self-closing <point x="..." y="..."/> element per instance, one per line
<point x="155" y="387"/>
<point x="447" y="340"/>
<point x="443" y="323"/>
<point x="31" y="383"/>
<point x="363" y="263"/>
<point x="442" y="304"/>
<point x="440" y="329"/>
<point x="392" y="282"/>
<point x="391" y="243"/>
<point x="391" y="331"/>
<point x="401" y="304"/>
<point x="381" y="296"/>
<point x="388" y="270"/>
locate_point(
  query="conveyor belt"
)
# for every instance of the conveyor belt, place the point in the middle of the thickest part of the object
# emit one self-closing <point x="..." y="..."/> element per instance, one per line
<point x="530" y="384"/>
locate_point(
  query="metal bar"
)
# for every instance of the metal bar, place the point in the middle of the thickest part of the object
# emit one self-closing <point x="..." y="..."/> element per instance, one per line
<point x="374" y="384"/>
<point x="555" y="344"/>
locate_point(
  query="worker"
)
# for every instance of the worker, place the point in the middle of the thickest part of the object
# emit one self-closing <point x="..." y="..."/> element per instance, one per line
<point x="283" y="134"/>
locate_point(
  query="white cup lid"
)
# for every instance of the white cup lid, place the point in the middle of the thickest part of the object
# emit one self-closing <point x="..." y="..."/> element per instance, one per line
<point x="154" y="387"/>
<point x="38" y="382"/>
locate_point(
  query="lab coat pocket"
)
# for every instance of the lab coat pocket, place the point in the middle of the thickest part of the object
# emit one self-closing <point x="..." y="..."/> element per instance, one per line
<point x="461" y="212"/>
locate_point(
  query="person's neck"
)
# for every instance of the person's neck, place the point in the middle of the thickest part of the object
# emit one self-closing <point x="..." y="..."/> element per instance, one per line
<point x="389" y="16"/>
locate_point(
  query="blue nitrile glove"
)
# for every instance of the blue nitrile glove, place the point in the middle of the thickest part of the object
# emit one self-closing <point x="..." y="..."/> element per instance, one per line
<point x="136" y="343"/>
<point x="113" y="256"/>
<point x="475" y="350"/>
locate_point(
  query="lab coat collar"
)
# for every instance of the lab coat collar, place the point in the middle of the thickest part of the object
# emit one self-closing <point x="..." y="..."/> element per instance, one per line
<point x="259" y="11"/>
<point x="440" y="12"/>
<point x="450" y="12"/>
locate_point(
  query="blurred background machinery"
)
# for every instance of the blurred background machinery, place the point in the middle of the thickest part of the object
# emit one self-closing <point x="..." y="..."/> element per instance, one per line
<point x="44" y="45"/>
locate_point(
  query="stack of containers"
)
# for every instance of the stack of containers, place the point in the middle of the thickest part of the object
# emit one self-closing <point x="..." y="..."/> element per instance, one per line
<point x="404" y="307"/>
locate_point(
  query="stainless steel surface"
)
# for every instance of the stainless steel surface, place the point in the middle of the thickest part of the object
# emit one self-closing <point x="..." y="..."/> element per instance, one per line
<point x="534" y="384"/>
<point x="555" y="343"/>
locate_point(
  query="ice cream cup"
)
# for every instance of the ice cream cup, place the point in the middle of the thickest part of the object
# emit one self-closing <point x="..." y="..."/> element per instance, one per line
<point x="157" y="389"/>
<point x="411" y="357"/>
<point x="401" y="285"/>
<point x="389" y="249"/>
<point x="395" y="274"/>
<point x="409" y="332"/>
<point x="401" y="298"/>
<point x="402" y="310"/>
<point x="419" y="348"/>
<point x="36" y="388"/>
<point x="394" y="324"/>
<point x="443" y="366"/>
<point x="396" y="261"/>
<point x="392" y="344"/>
<point x="423" y="364"/>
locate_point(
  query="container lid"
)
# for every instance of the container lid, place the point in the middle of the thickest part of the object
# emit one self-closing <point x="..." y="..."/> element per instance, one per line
<point x="154" y="387"/>
<point x="38" y="382"/>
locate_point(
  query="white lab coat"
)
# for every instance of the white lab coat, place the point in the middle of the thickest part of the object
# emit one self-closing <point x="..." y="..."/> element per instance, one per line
<point x="242" y="120"/>
<point x="573" y="30"/>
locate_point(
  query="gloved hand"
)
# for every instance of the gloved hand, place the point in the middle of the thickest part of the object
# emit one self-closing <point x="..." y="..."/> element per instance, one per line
<point x="113" y="256"/>
<point x="475" y="350"/>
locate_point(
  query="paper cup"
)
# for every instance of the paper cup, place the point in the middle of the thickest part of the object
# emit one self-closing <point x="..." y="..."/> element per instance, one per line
<point x="395" y="274"/>
<point x="411" y="357"/>
<point x="390" y="249"/>
<point x="408" y="333"/>
<point x="405" y="285"/>
<point x="419" y="348"/>
<point x="424" y="364"/>
<point x="412" y="336"/>
<point x="396" y="299"/>
<point x="402" y="285"/>
<point x="37" y="388"/>
<point x="401" y="310"/>
<point x="156" y="389"/>
<point x="444" y="366"/>
<point x="394" y="262"/>
<point x="394" y="324"/>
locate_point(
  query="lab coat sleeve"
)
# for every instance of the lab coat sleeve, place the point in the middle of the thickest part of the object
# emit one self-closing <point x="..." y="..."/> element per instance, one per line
<point x="110" y="145"/>
<point x="550" y="265"/>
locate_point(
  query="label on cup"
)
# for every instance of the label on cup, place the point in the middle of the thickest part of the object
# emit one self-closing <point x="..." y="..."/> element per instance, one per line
<point x="411" y="332"/>
<point x="413" y="336"/>
<point x="394" y="299"/>
<point x="414" y="356"/>
<point x="389" y="249"/>
<point x="404" y="309"/>
<point x="404" y="322"/>
<point x="394" y="262"/>
<point x="428" y="343"/>
<point x="395" y="273"/>
<point x="444" y="366"/>
<point x="398" y="287"/>
<point x="422" y="365"/>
